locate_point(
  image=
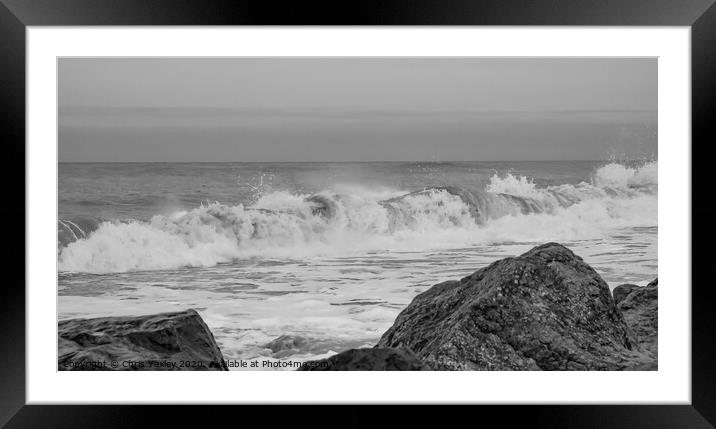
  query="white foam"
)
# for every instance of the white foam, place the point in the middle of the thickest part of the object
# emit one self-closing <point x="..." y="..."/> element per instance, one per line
<point x="514" y="185"/>
<point x="620" y="176"/>
<point x="285" y="225"/>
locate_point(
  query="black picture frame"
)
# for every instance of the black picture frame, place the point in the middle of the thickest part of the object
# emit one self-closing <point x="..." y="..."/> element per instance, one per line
<point x="16" y="15"/>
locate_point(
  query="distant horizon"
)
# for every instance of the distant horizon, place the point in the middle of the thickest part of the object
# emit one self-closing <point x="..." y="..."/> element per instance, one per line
<point x="349" y="109"/>
<point x="352" y="162"/>
<point x="273" y="109"/>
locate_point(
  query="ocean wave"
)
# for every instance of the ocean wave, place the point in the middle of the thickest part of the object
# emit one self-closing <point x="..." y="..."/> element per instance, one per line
<point x="74" y="229"/>
<point x="358" y="219"/>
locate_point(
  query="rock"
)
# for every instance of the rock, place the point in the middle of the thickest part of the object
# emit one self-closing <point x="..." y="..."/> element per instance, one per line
<point x="286" y="342"/>
<point x="620" y="292"/>
<point x="375" y="359"/>
<point x="640" y="309"/>
<point x="289" y="345"/>
<point x="168" y="341"/>
<point x="544" y="310"/>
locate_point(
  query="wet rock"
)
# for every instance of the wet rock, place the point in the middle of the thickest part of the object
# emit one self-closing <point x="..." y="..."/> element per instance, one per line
<point x="544" y="310"/>
<point x="640" y="308"/>
<point x="286" y="342"/>
<point x="290" y="345"/>
<point x="375" y="359"/>
<point x="620" y="292"/>
<point x="167" y="341"/>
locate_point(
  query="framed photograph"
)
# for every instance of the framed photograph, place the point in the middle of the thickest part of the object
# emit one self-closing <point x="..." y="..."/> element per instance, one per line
<point x="417" y="205"/>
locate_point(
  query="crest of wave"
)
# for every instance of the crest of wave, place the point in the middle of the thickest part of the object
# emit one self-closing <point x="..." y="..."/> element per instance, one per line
<point x="201" y="237"/>
<point x="611" y="180"/>
<point x="620" y="176"/>
<point x="285" y="225"/>
<point x="280" y="225"/>
<point x="520" y="186"/>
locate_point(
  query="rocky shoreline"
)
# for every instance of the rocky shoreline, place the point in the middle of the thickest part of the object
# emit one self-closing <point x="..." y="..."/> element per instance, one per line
<point x="160" y="342"/>
<point x="543" y="310"/>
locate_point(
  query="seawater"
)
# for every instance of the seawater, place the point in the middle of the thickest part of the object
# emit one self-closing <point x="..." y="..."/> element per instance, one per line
<point x="329" y="252"/>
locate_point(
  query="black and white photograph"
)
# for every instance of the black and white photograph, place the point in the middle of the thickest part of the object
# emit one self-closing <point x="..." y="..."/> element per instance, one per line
<point x="357" y="213"/>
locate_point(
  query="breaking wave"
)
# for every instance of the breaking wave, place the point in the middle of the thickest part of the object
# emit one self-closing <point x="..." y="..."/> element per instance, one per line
<point x="354" y="220"/>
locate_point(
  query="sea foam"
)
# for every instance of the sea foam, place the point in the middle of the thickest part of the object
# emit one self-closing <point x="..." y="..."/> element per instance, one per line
<point x="350" y="220"/>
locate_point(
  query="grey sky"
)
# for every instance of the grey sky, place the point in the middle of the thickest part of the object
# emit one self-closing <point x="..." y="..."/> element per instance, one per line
<point x="355" y="109"/>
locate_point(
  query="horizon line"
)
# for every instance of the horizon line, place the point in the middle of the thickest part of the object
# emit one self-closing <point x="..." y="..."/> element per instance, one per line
<point x="345" y="162"/>
<point x="313" y="109"/>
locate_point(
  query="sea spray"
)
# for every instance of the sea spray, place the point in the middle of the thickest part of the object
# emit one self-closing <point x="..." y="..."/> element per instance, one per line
<point x="353" y="220"/>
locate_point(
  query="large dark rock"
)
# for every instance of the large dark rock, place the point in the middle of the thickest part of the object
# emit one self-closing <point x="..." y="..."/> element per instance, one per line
<point x="375" y="359"/>
<point x="640" y="308"/>
<point x="544" y="310"/>
<point x="620" y="292"/>
<point x="168" y="341"/>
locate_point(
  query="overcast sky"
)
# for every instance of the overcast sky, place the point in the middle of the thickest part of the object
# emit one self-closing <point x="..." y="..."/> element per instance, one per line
<point x="355" y="109"/>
